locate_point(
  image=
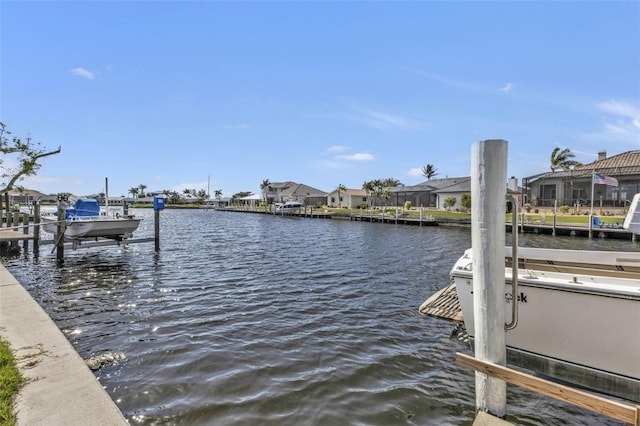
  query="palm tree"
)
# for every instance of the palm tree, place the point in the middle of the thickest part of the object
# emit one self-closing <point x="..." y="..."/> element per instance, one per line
<point x="343" y="188"/>
<point x="134" y="192"/>
<point x="375" y="188"/>
<point x="218" y="194"/>
<point x="264" y="186"/>
<point x="391" y="183"/>
<point x="142" y="187"/>
<point x="368" y="186"/>
<point x="429" y="171"/>
<point x="562" y="159"/>
<point x="174" y="197"/>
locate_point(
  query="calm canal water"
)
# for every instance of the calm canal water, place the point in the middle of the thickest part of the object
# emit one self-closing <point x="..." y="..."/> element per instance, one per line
<point x="250" y="319"/>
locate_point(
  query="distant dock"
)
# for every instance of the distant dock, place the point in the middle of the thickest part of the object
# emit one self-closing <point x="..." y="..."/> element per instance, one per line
<point x="574" y="230"/>
<point x="526" y="226"/>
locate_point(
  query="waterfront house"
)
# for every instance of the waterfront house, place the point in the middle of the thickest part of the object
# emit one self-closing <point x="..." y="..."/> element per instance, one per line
<point x="432" y="193"/>
<point x="574" y="187"/>
<point x="280" y="192"/>
<point x="349" y="198"/>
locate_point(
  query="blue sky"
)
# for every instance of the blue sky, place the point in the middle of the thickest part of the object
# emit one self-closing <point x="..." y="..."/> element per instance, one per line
<point x="170" y="93"/>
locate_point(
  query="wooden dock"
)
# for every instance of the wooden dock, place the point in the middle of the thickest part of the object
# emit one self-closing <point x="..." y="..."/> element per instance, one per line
<point x="574" y="230"/>
<point x="528" y="226"/>
<point x="12" y="235"/>
<point x="443" y="304"/>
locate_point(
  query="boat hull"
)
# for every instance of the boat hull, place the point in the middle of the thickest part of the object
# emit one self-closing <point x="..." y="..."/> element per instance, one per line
<point x="93" y="227"/>
<point x="583" y="319"/>
<point x="289" y="207"/>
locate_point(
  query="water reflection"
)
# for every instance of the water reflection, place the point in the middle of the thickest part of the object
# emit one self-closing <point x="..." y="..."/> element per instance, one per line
<point x="254" y="319"/>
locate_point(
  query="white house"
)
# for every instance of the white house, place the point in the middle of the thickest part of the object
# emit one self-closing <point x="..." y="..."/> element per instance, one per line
<point x="349" y="198"/>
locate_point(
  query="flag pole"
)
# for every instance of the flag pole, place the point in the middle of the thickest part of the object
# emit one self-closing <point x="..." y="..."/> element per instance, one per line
<point x="593" y="185"/>
<point x="593" y="190"/>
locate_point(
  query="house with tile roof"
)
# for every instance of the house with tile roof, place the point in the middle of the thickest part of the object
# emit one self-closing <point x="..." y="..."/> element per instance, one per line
<point x="576" y="186"/>
<point x="432" y="193"/>
<point x="280" y="192"/>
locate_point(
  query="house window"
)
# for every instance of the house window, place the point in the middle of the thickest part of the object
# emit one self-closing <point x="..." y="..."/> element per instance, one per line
<point x="333" y="200"/>
<point x="547" y="195"/>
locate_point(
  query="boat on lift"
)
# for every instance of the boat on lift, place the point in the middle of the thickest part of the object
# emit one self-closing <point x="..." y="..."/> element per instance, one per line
<point x="85" y="220"/>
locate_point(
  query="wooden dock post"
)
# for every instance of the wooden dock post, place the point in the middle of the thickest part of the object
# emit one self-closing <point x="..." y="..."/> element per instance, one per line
<point x="488" y="191"/>
<point x="36" y="227"/>
<point x="62" y="214"/>
<point x="15" y="222"/>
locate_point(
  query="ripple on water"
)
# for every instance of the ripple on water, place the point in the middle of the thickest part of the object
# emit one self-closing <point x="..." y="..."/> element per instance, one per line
<point x="255" y="319"/>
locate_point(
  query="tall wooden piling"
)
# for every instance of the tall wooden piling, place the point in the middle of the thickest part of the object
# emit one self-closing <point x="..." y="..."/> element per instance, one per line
<point x="488" y="208"/>
<point x="36" y="226"/>
<point x="62" y="225"/>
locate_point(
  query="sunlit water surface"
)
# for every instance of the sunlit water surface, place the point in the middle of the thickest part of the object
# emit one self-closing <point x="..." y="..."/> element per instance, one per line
<point x="251" y="319"/>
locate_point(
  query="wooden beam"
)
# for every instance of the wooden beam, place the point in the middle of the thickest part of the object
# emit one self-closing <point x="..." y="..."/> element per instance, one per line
<point x="616" y="410"/>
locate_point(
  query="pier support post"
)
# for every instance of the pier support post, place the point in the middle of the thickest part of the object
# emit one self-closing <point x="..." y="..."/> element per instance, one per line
<point x="156" y="229"/>
<point x="488" y="208"/>
<point x="36" y="227"/>
<point x="62" y="225"/>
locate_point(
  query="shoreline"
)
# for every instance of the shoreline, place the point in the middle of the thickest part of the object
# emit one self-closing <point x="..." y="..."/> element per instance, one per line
<point x="530" y="226"/>
<point x="59" y="388"/>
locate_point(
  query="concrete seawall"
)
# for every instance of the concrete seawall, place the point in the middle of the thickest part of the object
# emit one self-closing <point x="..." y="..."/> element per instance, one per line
<point x="60" y="389"/>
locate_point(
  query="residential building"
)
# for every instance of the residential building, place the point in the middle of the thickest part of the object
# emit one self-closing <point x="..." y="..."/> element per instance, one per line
<point x="576" y="187"/>
<point x="432" y="193"/>
<point x="349" y="198"/>
<point x="280" y="192"/>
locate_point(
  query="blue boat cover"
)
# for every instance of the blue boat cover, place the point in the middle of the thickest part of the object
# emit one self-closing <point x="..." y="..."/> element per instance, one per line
<point x="84" y="207"/>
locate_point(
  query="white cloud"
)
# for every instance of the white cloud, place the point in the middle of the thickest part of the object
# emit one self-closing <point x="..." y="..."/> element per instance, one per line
<point x="361" y="156"/>
<point x="380" y="120"/>
<point x="81" y="72"/>
<point x="384" y="121"/>
<point x="337" y="148"/>
<point x="507" y="88"/>
<point x="415" y="172"/>
<point x="448" y="81"/>
<point x="621" y="122"/>
<point x="620" y="108"/>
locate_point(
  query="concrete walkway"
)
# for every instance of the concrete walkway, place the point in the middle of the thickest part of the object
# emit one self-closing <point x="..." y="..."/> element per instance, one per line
<point x="60" y="388"/>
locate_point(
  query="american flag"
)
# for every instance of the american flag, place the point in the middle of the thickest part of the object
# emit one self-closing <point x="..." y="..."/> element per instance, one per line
<point x="604" y="180"/>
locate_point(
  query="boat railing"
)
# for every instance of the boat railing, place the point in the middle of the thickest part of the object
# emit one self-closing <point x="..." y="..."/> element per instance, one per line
<point x="568" y="267"/>
<point x="514" y="267"/>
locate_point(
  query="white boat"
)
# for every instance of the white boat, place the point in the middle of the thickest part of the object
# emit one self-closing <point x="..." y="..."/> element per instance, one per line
<point x="289" y="207"/>
<point x="84" y="220"/>
<point x="578" y="313"/>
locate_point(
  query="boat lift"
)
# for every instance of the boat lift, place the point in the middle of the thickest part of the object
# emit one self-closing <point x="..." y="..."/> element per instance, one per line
<point x="12" y="234"/>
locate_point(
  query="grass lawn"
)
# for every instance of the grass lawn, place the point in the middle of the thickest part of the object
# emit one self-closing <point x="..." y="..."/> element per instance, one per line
<point x="10" y="382"/>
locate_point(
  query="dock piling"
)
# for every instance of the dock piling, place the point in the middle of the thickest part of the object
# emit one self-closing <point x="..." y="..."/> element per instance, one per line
<point x="488" y="190"/>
